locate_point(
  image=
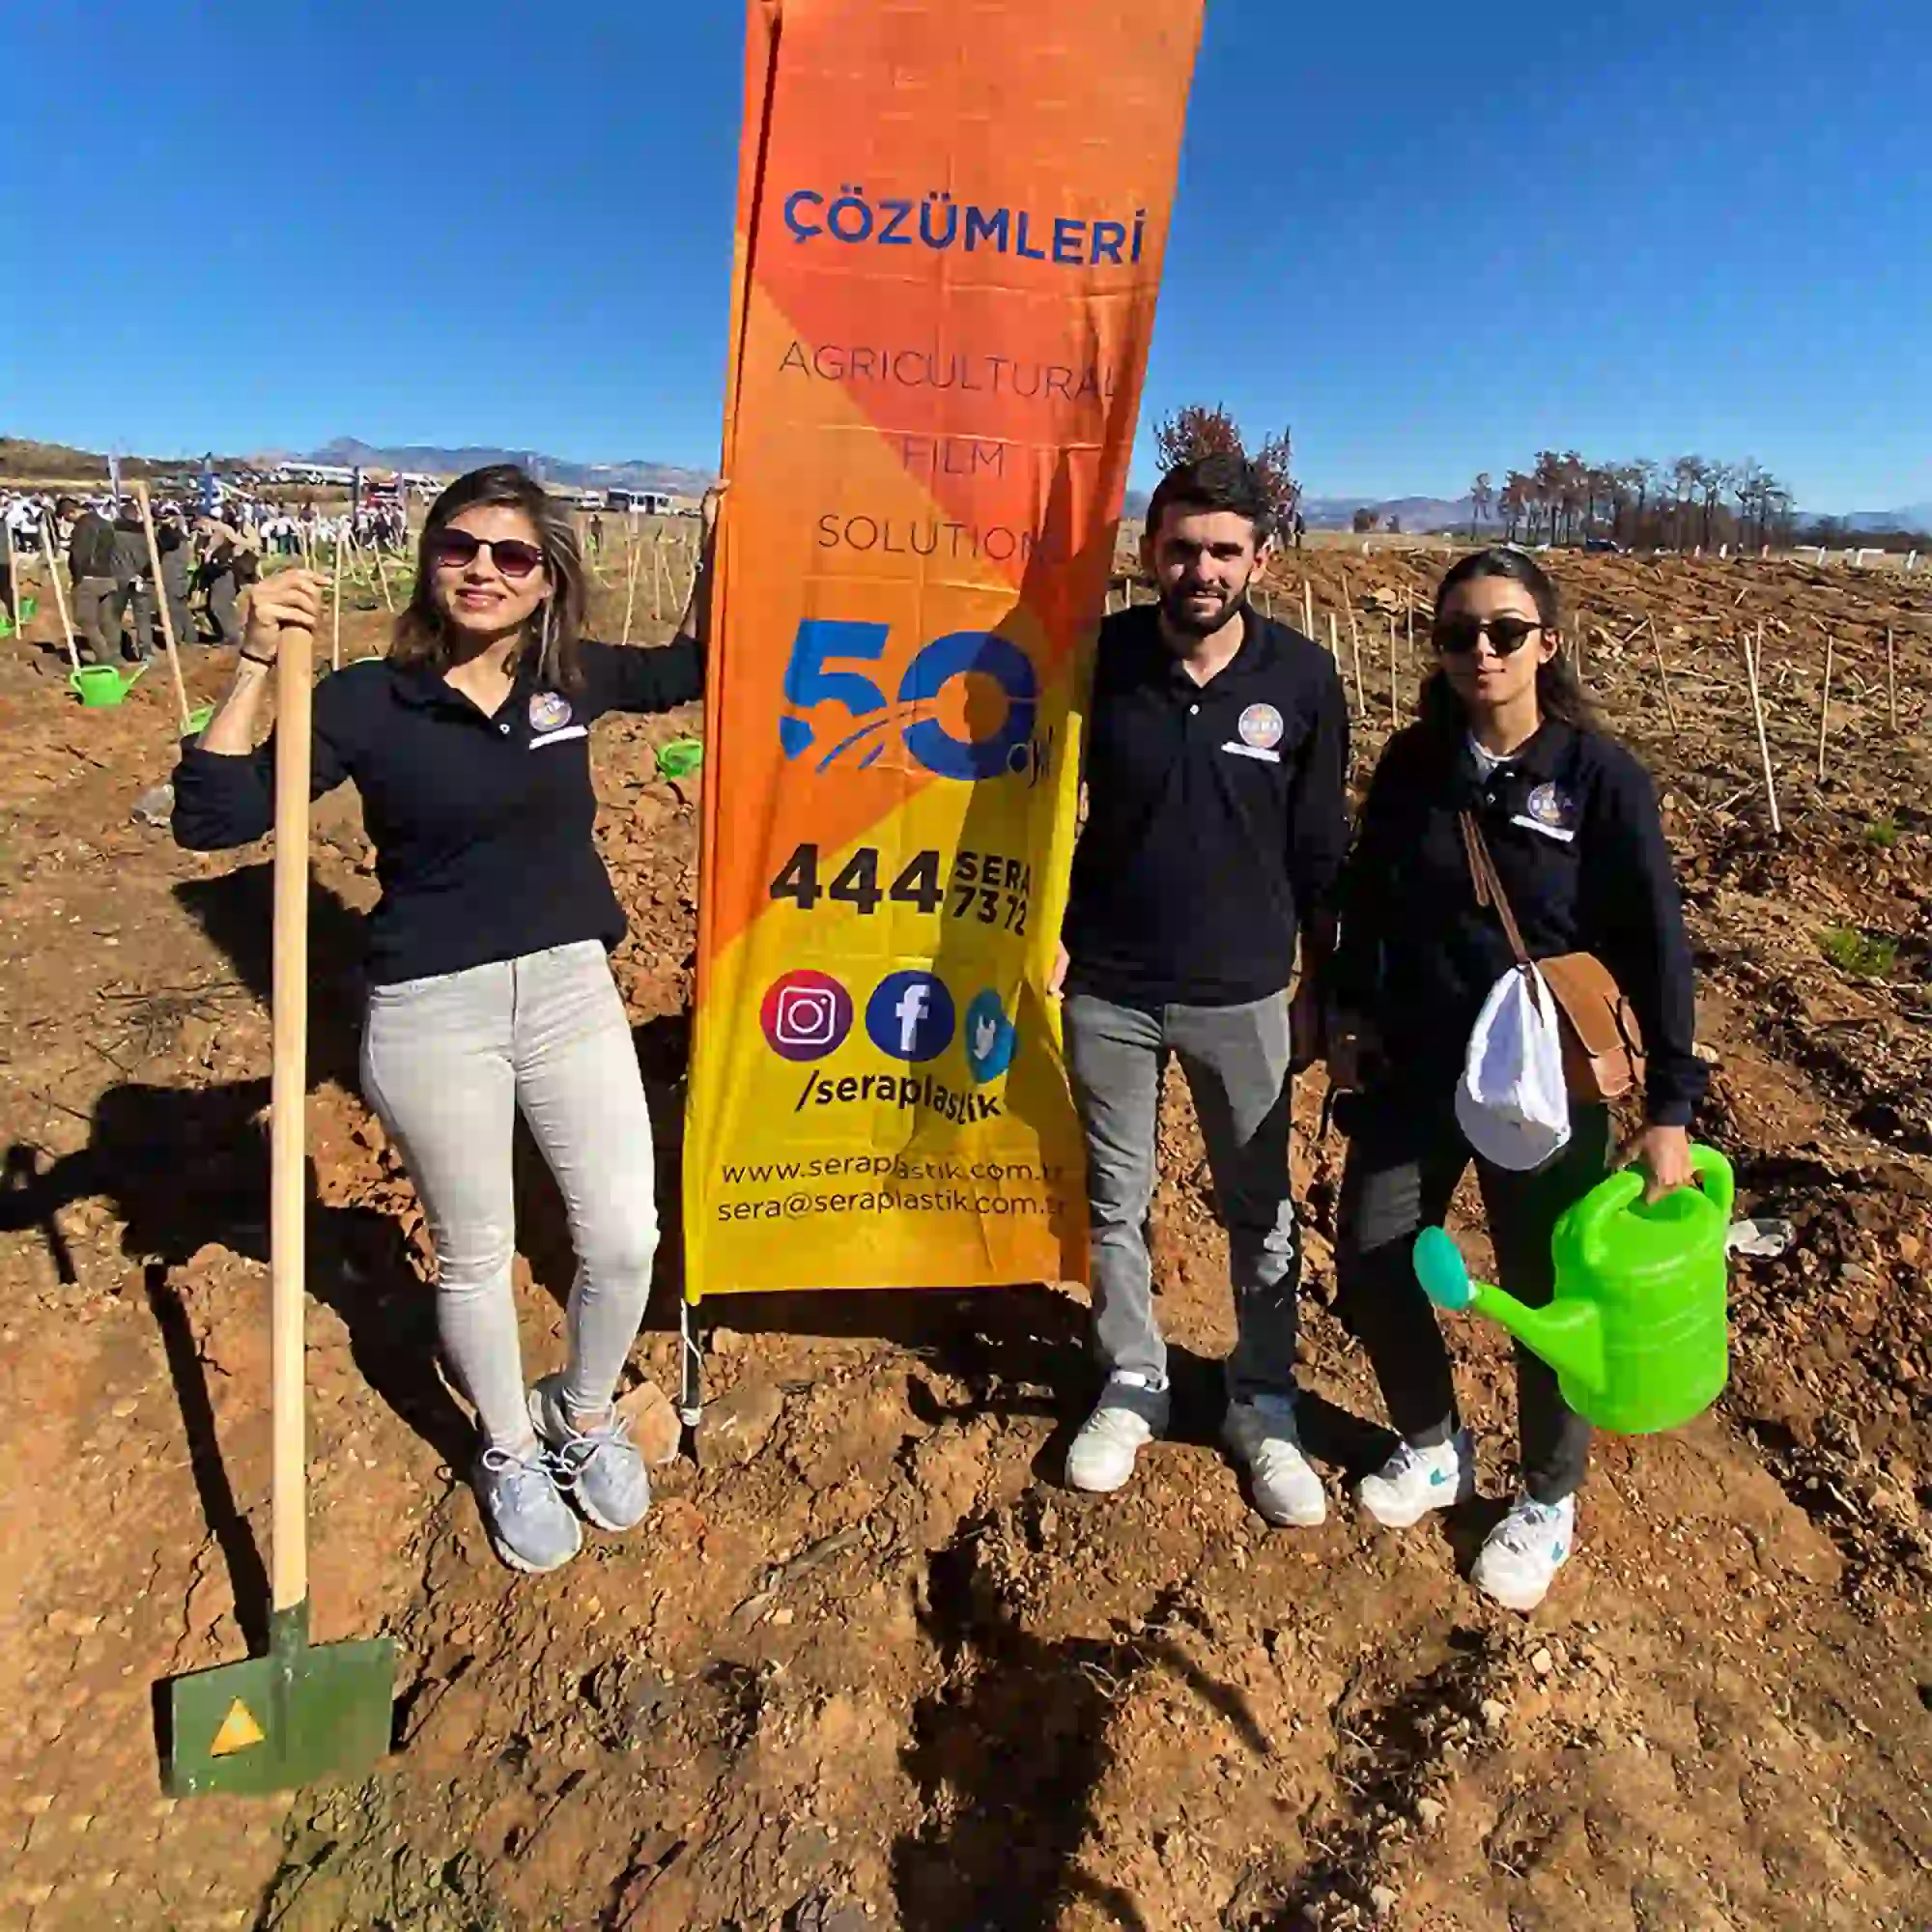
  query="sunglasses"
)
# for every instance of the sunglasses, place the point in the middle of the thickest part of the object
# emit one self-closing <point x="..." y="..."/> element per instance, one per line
<point x="1458" y="637"/>
<point x="457" y="550"/>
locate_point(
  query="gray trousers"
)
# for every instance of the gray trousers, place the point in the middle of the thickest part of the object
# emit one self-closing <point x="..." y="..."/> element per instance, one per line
<point x="221" y="611"/>
<point x="97" y="618"/>
<point x="137" y="606"/>
<point x="448" y="1063"/>
<point x="1236" y="1061"/>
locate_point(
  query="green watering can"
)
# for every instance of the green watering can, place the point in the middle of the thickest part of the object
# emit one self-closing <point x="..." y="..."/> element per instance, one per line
<point x="104" y="684"/>
<point x="1637" y="1328"/>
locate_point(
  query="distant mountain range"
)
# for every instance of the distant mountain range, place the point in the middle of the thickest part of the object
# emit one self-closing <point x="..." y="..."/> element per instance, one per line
<point x="1416" y="513"/>
<point x="1913" y="517"/>
<point x="439" y="462"/>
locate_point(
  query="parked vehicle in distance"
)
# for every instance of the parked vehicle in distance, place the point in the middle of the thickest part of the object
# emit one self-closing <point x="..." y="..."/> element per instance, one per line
<point x="1607" y="546"/>
<point x="591" y="500"/>
<point x="644" y="503"/>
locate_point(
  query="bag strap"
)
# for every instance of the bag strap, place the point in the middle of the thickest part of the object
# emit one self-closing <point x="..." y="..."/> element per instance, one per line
<point x="1489" y="883"/>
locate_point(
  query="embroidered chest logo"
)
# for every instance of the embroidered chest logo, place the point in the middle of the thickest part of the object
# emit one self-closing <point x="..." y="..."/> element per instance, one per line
<point x="1550" y="807"/>
<point x="1260" y="728"/>
<point x="550" y="711"/>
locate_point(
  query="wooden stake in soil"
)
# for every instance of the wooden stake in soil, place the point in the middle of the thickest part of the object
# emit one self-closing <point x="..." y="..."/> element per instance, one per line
<point x="1663" y="676"/>
<point x="1409" y="604"/>
<point x="1752" y="663"/>
<point x="1825" y="708"/>
<point x="1394" y="715"/>
<point x="161" y="600"/>
<point x="383" y="577"/>
<point x="1355" y="652"/>
<point x="1307" y="609"/>
<point x="630" y="587"/>
<point x="336" y="604"/>
<point x="1890" y="677"/>
<point x="60" y="595"/>
<point x="1335" y="646"/>
<point x="656" y="577"/>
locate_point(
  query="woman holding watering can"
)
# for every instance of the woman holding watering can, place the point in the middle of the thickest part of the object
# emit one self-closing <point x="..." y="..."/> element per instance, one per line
<point x="491" y="992"/>
<point x="1571" y="820"/>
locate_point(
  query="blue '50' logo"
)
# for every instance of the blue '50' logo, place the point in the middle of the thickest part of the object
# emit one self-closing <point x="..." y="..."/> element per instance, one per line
<point x="993" y="746"/>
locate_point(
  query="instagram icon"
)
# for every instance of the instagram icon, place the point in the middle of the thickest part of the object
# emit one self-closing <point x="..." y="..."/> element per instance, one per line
<point x="805" y="1016"/>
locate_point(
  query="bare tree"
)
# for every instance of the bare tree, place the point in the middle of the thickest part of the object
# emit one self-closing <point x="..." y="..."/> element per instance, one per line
<point x="1196" y="430"/>
<point x="1711" y="485"/>
<point x="1515" y="502"/>
<point x="1746" y="479"/>
<point x="1481" y="497"/>
<point x="1686" y="476"/>
<point x="1546" y="488"/>
<point x="1642" y="473"/>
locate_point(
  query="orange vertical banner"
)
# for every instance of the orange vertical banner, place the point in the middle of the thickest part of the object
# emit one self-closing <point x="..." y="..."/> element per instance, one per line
<point x="951" y="226"/>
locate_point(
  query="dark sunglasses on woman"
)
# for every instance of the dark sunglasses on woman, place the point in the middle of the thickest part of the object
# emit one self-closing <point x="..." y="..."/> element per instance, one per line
<point x="457" y="550"/>
<point x="1458" y="637"/>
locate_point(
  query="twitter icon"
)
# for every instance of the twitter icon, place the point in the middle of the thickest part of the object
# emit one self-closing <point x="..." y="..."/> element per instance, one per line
<point x="989" y="1038"/>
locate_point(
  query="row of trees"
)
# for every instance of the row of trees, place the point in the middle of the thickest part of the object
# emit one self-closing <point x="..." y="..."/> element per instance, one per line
<point x="1189" y="434"/>
<point x="1564" y="498"/>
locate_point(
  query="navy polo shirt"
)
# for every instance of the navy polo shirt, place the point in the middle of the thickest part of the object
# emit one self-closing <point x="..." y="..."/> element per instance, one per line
<point x="1572" y="825"/>
<point x="482" y="823"/>
<point x="1217" y="817"/>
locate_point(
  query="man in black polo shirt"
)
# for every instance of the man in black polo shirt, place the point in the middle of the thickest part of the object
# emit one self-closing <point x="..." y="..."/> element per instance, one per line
<point x="1218" y="754"/>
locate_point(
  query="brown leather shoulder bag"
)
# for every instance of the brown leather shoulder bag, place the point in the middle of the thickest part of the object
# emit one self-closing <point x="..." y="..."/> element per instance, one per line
<point x="1602" y="1044"/>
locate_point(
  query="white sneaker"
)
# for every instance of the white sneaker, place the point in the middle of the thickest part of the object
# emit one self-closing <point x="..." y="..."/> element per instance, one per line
<point x="1102" y="1453"/>
<point x="1415" y="1481"/>
<point x="1287" y="1491"/>
<point x="1521" y="1556"/>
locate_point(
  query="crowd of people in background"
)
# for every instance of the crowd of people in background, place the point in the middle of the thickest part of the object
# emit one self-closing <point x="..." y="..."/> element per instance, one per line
<point x="206" y="560"/>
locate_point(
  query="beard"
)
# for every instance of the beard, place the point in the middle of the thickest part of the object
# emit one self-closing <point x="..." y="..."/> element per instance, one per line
<point x="1193" y="621"/>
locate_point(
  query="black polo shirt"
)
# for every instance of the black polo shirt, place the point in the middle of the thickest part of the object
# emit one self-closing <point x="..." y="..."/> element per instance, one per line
<point x="482" y="824"/>
<point x="1572" y="825"/>
<point x="1216" y="821"/>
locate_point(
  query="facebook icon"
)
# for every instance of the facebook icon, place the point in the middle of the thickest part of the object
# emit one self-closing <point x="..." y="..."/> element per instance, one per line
<point x="910" y="1017"/>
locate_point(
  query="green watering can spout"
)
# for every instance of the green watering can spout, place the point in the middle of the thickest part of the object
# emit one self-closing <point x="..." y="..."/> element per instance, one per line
<point x="1568" y="1335"/>
<point x="1636" y="1326"/>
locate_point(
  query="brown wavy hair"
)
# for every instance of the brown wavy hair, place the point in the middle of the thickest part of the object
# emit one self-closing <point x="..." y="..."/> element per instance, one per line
<point x="1559" y="691"/>
<point x="421" y="636"/>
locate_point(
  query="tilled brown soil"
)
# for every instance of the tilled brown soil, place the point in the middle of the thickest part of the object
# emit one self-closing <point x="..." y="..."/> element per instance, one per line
<point x="868" y="1664"/>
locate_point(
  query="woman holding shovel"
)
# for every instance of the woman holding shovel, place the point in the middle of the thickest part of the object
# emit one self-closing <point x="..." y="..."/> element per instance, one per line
<point x="1569" y="820"/>
<point x="490" y="991"/>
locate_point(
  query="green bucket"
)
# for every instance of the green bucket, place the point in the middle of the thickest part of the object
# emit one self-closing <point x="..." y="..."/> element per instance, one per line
<point x="679" y="758"/>
<point x="103" y="685"/>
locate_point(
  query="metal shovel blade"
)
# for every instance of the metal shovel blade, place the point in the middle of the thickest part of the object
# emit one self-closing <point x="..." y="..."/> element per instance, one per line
<point x="302" y="1713"/>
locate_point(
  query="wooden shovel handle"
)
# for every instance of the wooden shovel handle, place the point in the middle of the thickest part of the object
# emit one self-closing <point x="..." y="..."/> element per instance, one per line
<point x="163" y="609"/>
<point x="287" y="1117"/>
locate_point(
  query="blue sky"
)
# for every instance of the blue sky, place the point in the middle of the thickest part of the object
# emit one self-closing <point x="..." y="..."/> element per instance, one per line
<point x="1432" y="237"/>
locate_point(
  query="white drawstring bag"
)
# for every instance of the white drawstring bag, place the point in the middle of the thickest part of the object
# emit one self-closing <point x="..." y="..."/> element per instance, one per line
<point x="1512" y="1101"/>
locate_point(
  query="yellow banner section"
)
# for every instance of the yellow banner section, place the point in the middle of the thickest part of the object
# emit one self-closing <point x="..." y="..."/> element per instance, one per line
<point x="951" y="226"/>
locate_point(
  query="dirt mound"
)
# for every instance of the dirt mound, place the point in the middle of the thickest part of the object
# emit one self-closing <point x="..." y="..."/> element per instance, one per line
<point x="867" y="1663"/>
